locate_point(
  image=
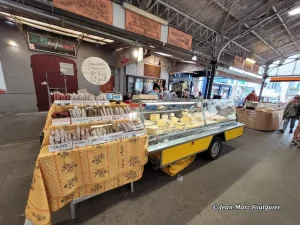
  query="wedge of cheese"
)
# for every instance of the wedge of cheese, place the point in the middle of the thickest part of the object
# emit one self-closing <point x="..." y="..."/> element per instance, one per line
<point x="151" y="129"/>
<point x="174" y="120"/>
<point x="165" y="117"/>
<point x="154" y="117"/>
<point x="161" y="123"/>
<point x="185" y="119"/>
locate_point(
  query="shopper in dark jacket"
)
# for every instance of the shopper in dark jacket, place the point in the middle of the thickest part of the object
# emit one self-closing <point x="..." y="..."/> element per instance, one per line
<point x="297" y="131"/>
<point x="290" y="114"/>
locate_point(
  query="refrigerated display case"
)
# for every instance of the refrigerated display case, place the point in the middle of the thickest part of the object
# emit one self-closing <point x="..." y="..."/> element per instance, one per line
<point x="181" y="129"/>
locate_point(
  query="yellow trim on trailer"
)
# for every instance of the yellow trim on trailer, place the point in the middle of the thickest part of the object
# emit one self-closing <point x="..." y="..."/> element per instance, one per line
<point x="234" y="133"/>
<point x="176" y="153"/>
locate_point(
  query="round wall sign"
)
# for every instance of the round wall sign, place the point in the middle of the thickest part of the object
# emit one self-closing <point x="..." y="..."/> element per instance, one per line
<point x="96" y="70"/>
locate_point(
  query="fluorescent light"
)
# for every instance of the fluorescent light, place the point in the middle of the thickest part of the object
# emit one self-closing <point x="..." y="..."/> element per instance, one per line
<point x="188" y="62"/>
<point x="194" y="58"/>
<point x="144" y="13"/>
<point x="56" y="29"/>
<point x="294" y="12"/>
<point x="250" y="60"/>
<point x="163" y="54"/>
<point x="12" y="43"/>
<point x="108" y="40"/>
<point x="10" y="22"/>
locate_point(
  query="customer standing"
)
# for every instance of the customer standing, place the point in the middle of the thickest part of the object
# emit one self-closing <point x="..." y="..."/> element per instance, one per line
<point x="297" y="131"/>
<point x="252" y="97"/>
<point x="290" y="114"/>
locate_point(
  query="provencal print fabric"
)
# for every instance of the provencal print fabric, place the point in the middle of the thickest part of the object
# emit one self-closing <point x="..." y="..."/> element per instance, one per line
<point x="60" y="177"/>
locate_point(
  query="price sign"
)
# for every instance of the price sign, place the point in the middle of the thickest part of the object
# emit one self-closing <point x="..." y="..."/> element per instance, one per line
<point x="60" y="147"/>
<point x="82" y="143"/>
<point x="96" y="70"/>
<point x="62" y="102"/>
<point x="61" y="121"/>
<point x="80" y="120"/>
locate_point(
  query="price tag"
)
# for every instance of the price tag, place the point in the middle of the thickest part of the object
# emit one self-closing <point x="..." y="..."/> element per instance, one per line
<point x="139" y="133"/>
<point x="80" y="144"/>
<point x="91" y="102"/>
<point x="128" y="135"/>
<point x="60" y="147"/>
<point x="80" y="120"/>
<point x="115" y="136"/>
<point x="102" y="102"/>
<point x="61" y="121"/>
<point x="106" y="118"/>
<point x="97" y="140"/>
<point x="62" y="102"/>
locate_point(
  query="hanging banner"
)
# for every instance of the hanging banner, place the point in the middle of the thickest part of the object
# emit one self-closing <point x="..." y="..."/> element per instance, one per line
<point x="238" y="62"/>
<point x="142" y="25"/>
<point x="96" y="70"/>
<point x="100" y="10"/>
<point x="255" y="69"/>
<point x="179" y="39"/>
<point x="49" y="44"/>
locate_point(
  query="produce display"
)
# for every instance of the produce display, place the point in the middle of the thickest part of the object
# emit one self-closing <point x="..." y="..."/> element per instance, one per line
<point x="95" y="111"/>
<point x="60" y="136"/>
<point x="81" y="95"/>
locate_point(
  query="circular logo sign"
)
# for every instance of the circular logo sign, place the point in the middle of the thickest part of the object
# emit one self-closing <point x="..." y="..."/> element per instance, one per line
<point x="96" y="70"/>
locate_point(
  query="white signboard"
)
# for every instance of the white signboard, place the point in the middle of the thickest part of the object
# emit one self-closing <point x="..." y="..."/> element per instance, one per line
<point x="96" y="70"/>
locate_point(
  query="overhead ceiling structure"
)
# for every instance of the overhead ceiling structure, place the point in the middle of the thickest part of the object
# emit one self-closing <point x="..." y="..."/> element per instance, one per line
<point x="260" y="29"/>
<point x="221" y="29"/>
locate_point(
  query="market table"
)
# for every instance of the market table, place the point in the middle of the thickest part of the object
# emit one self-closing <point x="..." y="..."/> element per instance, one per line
<point x="60" y="177"/>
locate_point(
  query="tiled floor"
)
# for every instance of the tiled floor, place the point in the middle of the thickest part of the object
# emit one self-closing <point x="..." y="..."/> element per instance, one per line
<point x="259" y="168"/>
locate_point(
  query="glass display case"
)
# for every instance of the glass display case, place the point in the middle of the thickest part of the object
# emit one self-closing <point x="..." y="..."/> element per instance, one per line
<point x="178" y="121"/>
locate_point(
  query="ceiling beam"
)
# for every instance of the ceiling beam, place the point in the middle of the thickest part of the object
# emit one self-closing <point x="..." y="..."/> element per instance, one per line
<point x="262" y="39"/>
<point x="285" y="26"/>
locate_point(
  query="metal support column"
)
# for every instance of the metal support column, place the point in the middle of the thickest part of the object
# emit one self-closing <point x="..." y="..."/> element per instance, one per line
<point x="212" y="76"/>
<point x="265" y="76"/>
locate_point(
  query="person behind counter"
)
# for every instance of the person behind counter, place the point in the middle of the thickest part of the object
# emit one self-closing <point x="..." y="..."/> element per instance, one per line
<point x="290" y="114"/>
<point x="252" y="97"/>
<point x="155" y="90"/>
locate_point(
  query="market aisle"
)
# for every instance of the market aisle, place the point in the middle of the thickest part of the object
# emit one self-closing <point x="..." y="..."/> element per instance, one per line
<point x="259" y="168"/>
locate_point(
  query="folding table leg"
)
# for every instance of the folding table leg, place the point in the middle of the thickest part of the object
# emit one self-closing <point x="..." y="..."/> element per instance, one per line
<point x="132" y="188"/>
<point x="72" y="206"/>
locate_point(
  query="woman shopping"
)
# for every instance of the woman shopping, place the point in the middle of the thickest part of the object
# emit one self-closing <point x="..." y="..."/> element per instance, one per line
<point x="290" y="114"/>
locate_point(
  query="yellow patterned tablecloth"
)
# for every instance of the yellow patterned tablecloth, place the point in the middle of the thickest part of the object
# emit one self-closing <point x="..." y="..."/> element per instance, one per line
<point x="60" y="177"/>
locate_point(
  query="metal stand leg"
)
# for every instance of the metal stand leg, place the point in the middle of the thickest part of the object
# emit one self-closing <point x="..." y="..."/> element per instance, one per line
<point x="132" y="188"/>
<point x="72" y="206"/>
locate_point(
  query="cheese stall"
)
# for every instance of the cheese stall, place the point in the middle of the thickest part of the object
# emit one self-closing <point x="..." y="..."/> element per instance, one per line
<point x="177" y="131"/>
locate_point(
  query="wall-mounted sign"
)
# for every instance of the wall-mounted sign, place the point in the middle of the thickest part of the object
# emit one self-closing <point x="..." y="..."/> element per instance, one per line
<point x="142" y="25"/>
<point x="152" y="71"/>
<point x="248" y="66"/>
<point x="179" y="38"/>
<point x="238" y="62"/>
<point x="255" y="69"/>
<point x="49" y="44"/>
<point x="96" y="70"/>
<point x="66" y="68"/>
<point x="100" y="10"/>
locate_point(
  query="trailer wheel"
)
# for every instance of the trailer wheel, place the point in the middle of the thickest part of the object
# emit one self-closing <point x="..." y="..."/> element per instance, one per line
<point x="215" y="148"/>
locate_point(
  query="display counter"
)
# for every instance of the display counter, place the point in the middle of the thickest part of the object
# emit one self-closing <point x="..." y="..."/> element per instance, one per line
<point x="179" y="130"/>
<point x="84" y="159"/>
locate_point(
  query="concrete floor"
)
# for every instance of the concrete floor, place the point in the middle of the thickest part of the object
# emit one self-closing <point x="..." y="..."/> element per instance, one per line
<point x="259" y="168"/>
